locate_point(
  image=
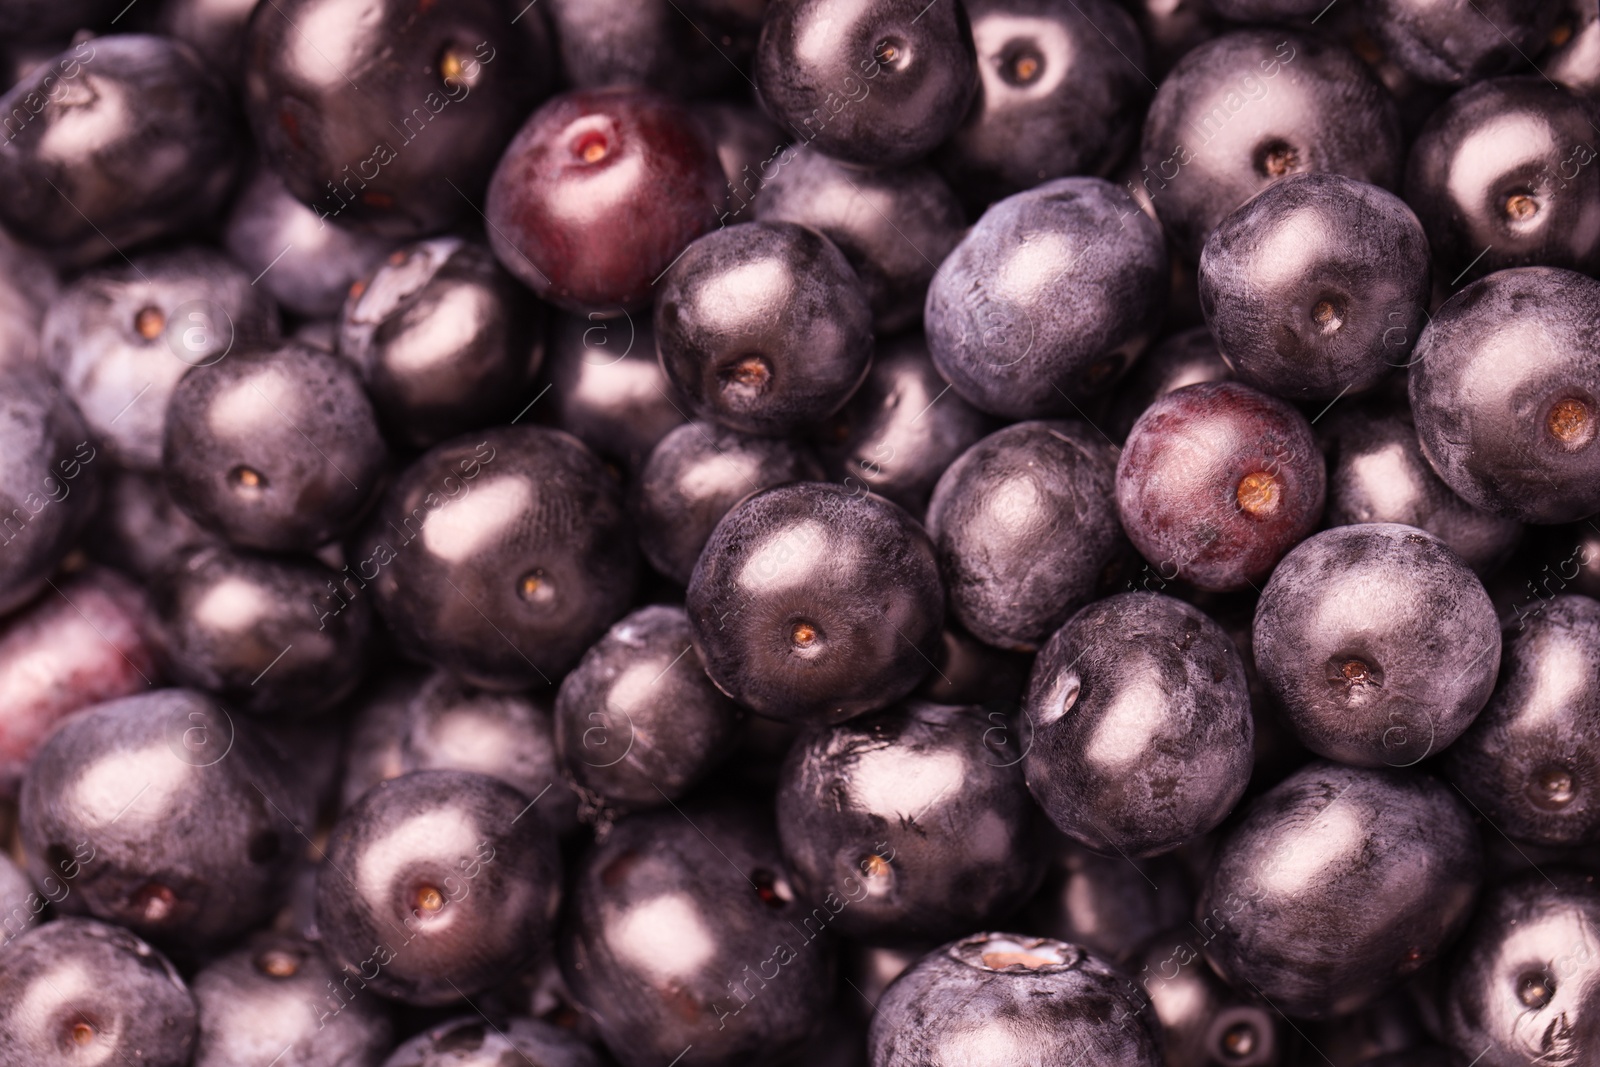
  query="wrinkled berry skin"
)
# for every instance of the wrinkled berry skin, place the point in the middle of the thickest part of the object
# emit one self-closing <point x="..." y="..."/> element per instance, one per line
<point x="440" y="881"/>
<point x="73" y="971"/>
<point x="1217" y="482"/>
<point x="120" y="338"/>
<point x="1505" y="389"/>
<point x="1377" y="644"/>
<point x="901" y="429"/>
<point x="893" y="225"/>
<point x="446" y="340"/>
<point x="1249" y="107"/>
<point x="999" y="999"/>
<point x="273" y="448"/>
<point x="49" y="485"/>
<point x="916" y="817"/>
<point x="695" y="476"/>
<point x="1502" y="176"/>
<point x="598" y="194"/>
<point x="1525" y="985"/>
<point x="713" y="876"/>
<point x="90" y="643"/>
<point x="607" y="387"/>
<point x="473" y="1041"/>
<point x="764" y="327"/>
<point x="264" y="634"/>
<point x="875" y="83"/>
<point x="1337" y="884"/>
<point x="1459" y="42"/>
<point x="307" y="265"/>
<point x="1377" y="473"/>
<point x="500" y="556"/>
<point x="1186" y="358"/>
<point x="197" y="858"/>
<point x="813" y="604"/>
<point x="1060" y="94"/>
<point x="1138" y="714"/>
<point x="1047" y="299"/>
<point x="135" y="140"/>
<point x="637" y="721"/>
<point x="1530" y="762"/>
<point x="396" y="131"/>
<point x="1201" y="1020"/>
<point x="441" y="724"/>
<point x="279" y="991"/>
<point x="1025" y="523"/>
<point x="1316" y="287"/>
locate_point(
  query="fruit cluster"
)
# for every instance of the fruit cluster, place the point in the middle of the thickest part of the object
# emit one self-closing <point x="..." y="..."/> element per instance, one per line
<point x="854" y="533"/>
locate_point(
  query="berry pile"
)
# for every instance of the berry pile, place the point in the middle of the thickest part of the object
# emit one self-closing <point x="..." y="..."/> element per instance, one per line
<point x="843" y="533"/>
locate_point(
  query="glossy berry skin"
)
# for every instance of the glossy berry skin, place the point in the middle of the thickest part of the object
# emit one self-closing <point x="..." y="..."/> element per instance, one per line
<point x="607" y="387"/>
<point x="472" y="1041"/>
<point x="441" y="882"/>
<point x="994" y="998"/>
<point x="1138" y="714"/>
<point x="811" y="603"/>
<point x="1060" y="93"/>
<point x="273" y="448"/>
<point x="1025" y="523"/>
<point x="441" y="724"/>
<point x="1337" y="884"/>
<point x="876" y="84"/>
<point x="500" y="556"/>
<point x="141" y="143"/>
<point x="894" y="225"/>
<point x="763" y="327"/>
<point x="76" y="982"/>
<point x="1377" y="643"/>
<point x="695" y="476"/>
<point x="1217" y="482"/>
<point x="901" y="429"/>
<point x="48" y="485"/>
<point x="120" y="337"/>
<point x="403" y="123"/>
<point x="1316" y="287"/>
<point x="1525" y="982"/>
<point x="1460" y="42"/>
<point x="1249" y="107"/>
<point x="914" y="816"/>
<point x="714" y="878"/>
<point x="446" y="340"/>
<point x="1048" y="299"/>
<point x="196" y="859"/>
<point x="1501" y="177"/>
<point x="264" y="634"/>
<point x="638" y="723"/>
<point x="1530" y="761"/>
<point x="1514" y="436"/>
<point x="598" y="193"/>
<point x="88" y="643"/>
<point x="1201" y="1020"/>
<point x="1377" y="473"/>
<point x="306" y="264"/>
<point x="279" y="991"/>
